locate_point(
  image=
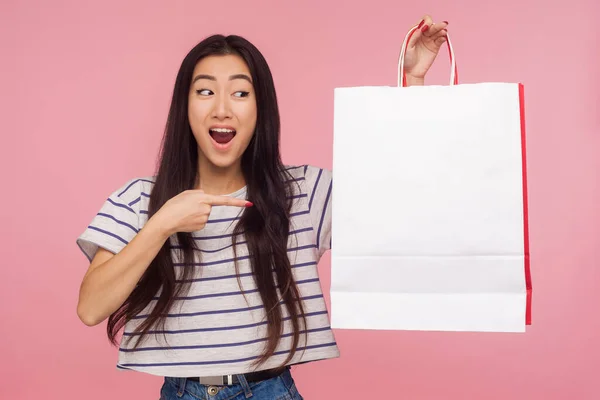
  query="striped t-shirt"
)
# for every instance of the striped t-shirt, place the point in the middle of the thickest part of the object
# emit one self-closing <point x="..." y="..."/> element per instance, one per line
<point x="215" y="329"/>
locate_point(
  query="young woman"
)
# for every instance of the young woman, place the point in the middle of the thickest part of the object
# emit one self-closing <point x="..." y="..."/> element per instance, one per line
<point x="210" y="266"/>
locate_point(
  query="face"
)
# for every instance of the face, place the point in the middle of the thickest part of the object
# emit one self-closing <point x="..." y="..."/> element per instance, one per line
<point x="222" y="109"/>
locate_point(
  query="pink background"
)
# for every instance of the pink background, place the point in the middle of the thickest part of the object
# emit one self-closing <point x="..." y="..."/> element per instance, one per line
<point x="85" y="90"/>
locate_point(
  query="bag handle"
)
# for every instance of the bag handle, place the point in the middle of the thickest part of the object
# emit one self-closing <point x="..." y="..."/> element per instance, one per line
<point x="402" y="75"/>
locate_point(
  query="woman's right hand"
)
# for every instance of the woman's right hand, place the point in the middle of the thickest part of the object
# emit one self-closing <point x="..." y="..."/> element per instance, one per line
<point x="189" y="211"/>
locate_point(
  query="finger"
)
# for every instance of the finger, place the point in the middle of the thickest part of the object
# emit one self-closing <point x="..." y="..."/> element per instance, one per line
<point x="426" y="23"/>
<point x="426" y="20"/>
<point x="440" y="40"/>
<point x="440" y="37"/>
<point x="435" y="28"/>
<point x="225" y="201"/>
<point x="440" y="33"/>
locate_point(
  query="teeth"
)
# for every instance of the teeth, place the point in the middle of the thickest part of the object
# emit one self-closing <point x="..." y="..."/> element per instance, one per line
<point x="223" y="130"/>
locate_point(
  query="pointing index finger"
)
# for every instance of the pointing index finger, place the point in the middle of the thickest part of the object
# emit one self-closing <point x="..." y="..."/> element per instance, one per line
<point x="226" y="201"/>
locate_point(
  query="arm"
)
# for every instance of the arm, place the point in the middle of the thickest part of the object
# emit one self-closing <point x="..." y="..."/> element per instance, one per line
<point x="111" y="278"/>
<point x="113" y="275"/>
<point x="412" y="81"/>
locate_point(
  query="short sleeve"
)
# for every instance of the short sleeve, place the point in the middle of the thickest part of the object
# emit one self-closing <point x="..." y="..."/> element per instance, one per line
<point x="116" y="223"/>
<point x="319" y="185"/>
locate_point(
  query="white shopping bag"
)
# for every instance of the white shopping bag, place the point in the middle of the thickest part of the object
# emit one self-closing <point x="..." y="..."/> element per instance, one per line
<point x="429" y="212"/>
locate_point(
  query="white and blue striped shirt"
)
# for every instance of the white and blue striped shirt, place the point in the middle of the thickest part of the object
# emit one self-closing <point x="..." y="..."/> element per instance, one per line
<point x="215" y="329"/>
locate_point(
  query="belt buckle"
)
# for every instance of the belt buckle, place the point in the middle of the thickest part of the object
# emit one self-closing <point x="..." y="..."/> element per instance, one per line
<point x="211" y="380"/>
<point x="216" y="380"/>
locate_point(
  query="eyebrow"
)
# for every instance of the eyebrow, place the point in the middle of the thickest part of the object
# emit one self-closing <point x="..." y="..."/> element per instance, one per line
<point x="212" y="78"/>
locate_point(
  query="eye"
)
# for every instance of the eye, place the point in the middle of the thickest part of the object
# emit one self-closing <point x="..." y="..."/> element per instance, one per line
<point x="204" y="92"/>
<point x="241" y="94"/>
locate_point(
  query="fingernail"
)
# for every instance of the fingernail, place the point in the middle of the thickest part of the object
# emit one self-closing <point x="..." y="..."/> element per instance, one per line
<point x="249" y="204"/>
<point x="421" y="23"/>
<point x="446" y="22"/>
<point x="424" y="29"/>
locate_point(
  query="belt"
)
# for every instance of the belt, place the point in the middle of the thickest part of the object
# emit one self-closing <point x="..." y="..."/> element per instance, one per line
<point x="223" y="380"/>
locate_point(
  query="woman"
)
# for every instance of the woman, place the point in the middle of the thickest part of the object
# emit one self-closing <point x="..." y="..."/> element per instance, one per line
<point x="210" y="266"/>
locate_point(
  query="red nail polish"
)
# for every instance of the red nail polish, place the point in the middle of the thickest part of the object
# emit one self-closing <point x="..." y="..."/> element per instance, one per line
<point x="425" y="28"/>
<point x="421" y="23"/>
<point x="446" y="22"/>
<point x="249" y="204"/>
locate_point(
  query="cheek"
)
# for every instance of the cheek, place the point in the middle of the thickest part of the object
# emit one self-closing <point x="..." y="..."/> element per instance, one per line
<point x="196" y="116"/>
<point x="248" y="116"/>
<point x="195" y="111"/>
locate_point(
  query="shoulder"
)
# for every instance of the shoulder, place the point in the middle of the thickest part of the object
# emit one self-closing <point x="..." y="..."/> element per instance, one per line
<point x="132" y="190"/>
<point x="314" y="182"/>
<point x="307" y="172"/>
<point x="315" y="174"/>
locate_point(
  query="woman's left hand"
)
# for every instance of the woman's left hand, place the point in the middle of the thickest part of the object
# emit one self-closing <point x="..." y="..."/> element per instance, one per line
<point x="423" y="47"/>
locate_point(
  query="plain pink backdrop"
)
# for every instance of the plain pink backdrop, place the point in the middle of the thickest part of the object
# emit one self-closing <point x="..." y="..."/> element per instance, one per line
<point x="85" y="88"/>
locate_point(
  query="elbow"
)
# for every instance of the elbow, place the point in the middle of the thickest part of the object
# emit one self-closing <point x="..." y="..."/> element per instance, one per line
<point x="88" y="317"/>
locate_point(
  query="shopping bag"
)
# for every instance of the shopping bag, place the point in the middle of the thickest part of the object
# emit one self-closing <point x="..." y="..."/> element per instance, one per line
<point x="429" y="211"/>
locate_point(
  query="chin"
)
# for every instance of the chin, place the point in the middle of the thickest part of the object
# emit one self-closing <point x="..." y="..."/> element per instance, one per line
<point x="225" y="164"/>
<point x="224" y="161"/>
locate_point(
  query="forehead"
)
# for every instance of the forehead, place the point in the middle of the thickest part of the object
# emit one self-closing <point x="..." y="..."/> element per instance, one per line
<point x="222" y="67"/>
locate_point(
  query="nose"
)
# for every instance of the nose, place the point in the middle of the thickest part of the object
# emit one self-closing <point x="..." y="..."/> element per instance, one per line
<point x="222" y="107"/>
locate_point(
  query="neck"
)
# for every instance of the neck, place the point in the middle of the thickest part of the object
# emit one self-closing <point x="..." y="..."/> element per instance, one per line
<point x="219" y="181"/>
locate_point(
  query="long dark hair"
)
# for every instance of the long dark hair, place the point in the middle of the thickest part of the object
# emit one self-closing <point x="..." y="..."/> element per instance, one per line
<point x="265" y="225"/>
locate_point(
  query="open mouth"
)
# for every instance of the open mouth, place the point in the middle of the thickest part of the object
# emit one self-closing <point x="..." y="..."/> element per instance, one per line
<point x="222" y="135"/>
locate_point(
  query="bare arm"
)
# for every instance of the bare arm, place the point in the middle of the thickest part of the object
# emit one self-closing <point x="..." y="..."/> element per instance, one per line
<point x="111" y="278"/>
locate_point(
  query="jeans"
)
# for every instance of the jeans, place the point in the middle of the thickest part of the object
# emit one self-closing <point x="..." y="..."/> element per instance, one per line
<point x="281" y="387"/>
